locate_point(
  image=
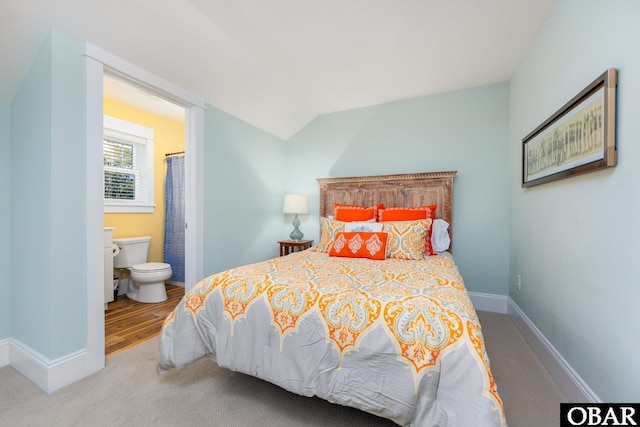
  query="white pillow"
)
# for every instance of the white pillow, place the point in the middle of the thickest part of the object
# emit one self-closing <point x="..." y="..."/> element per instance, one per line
<point x="440" y="239"/>
<point x="363" y="226"/>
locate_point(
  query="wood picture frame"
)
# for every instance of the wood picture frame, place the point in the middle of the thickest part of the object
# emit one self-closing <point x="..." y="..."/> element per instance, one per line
<point x="578" y="138"/>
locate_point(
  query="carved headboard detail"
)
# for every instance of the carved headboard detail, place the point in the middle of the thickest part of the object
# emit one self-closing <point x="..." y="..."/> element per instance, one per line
<point x="405" y="190"/>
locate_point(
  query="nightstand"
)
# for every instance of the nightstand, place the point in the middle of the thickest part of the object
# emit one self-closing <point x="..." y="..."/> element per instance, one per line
<point x="289" y="246"/>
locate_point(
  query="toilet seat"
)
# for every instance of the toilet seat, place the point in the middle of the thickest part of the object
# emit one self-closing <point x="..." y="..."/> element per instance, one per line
<point x="151" y="267"/>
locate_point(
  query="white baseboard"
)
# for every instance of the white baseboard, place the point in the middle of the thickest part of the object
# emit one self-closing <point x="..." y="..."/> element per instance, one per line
<point x="4" y="352"/>
<point x="571" y="384"/>
<point x="49" y="375"/>
<point x="489" y="302"/>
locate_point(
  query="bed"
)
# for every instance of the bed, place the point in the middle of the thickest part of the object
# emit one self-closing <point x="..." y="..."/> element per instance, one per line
<point x="395" y="337"/>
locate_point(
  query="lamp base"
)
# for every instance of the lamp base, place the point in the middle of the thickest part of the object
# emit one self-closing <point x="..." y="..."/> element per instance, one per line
<point x="296" y="235"/>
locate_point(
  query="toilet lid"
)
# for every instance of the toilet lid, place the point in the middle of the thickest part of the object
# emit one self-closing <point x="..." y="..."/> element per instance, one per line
<point x="151" y="267"/>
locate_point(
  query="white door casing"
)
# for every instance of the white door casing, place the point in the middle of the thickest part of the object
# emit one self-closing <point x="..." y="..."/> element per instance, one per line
<point x="98" y="63"/>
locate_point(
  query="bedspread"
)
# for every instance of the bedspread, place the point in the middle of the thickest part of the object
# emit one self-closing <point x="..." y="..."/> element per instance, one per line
<point x="396" y="338"/>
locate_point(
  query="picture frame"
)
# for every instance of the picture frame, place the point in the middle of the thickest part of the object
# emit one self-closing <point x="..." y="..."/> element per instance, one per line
<point x="580" y="137"/>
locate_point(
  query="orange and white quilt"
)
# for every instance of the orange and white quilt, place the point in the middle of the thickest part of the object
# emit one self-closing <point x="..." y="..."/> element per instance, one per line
<point x="397" y="338"/>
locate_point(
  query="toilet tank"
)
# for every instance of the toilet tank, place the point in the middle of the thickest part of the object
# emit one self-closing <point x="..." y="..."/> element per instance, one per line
<point x="133" y="250"/>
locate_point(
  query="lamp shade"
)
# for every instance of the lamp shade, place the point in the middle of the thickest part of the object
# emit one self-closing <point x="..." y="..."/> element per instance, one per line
<point x="295" y="204"/>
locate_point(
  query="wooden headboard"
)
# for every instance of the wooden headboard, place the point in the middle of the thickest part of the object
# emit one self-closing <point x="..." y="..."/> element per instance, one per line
<point x="406" y="190"/>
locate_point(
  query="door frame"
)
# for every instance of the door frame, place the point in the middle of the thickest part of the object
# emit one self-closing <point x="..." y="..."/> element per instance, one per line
<point x="99" y="62"/>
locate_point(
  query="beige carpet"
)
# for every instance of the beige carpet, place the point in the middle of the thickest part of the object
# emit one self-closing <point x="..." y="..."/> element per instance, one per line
<point x="128" y="392"/>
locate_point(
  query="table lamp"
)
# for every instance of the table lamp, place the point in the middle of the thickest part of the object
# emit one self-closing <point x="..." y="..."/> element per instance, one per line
<point x="296" y="204"/>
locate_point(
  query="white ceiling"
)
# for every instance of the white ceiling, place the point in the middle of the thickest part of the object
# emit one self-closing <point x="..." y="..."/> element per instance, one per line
<point x="280" y="63"/>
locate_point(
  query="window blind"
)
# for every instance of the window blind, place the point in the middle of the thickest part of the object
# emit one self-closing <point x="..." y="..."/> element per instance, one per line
<point x="125" y="167"/>
<point x="120" y="172"/>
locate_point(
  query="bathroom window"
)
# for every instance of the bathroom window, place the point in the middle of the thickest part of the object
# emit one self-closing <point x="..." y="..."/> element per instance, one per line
<point x="128" y="167"/>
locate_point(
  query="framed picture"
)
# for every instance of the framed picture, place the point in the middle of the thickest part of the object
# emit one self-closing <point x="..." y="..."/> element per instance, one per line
<point x="580" y="137"/>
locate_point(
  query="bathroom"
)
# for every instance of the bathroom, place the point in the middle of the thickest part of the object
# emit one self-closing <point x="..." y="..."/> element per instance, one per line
<point x="134" y="109"/>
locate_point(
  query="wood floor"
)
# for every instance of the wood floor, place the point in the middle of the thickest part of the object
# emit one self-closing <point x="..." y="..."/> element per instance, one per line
<point x="128" y="322"/>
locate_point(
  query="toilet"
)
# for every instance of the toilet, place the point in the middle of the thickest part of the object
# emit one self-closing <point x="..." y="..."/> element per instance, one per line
<point x="146" y="281"/>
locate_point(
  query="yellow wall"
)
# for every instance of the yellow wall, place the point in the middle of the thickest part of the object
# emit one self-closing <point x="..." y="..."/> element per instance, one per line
<point x="168" y="138"/>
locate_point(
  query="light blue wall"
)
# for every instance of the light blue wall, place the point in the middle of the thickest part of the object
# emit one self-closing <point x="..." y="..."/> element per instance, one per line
<point x="244" y="175"/>
<point x="68" y="196"/>
<point x="31" y="205"/>
<point x="48" y="201"/>
<point x="575" y="241"/>
<point x="5" y="218"/>
<point x="465" y="131"/>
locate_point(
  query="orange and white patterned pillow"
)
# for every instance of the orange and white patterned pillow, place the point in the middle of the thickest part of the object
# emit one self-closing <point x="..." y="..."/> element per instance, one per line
<point x="328" y="230"/>
<point x="360" y="244"/>
<point x="411" y="214"/>
<point x="349" y="213"/>
<point x="407" y="238"/>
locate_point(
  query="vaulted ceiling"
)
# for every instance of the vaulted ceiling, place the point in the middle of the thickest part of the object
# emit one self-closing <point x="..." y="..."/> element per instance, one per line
<point x="278" y="64"/>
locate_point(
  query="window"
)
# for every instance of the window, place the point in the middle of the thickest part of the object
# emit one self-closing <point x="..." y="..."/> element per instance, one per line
<point x="128" y="167"/>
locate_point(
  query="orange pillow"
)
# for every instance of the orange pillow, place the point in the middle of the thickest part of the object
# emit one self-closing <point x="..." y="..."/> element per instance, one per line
<point x="351" y="213"/>
<point x="360" y="244"/>
<point x="411" y="214"/>
<point x="406" y="214"/>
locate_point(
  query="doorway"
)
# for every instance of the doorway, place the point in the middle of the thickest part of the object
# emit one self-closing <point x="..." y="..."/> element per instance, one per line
<point x="144" y="196"/>
<point x="144" y="145"/>
<point x="99" y="63"/>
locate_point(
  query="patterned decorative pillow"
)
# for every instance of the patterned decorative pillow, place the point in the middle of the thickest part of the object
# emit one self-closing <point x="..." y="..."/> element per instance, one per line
<point x="328" y="230"/>
<point x="411" y="214"/>
<point x="360" y="244"/>
<point x="407" y="238"/>
<point x="350" y="213"/>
